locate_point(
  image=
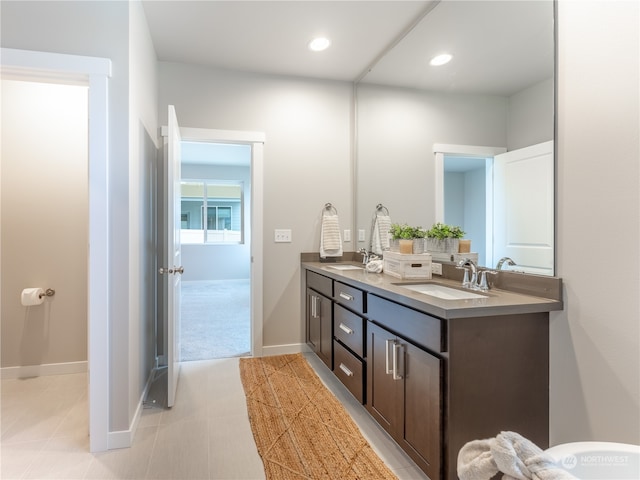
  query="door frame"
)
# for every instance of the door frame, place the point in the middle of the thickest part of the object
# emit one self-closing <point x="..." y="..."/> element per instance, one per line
<point x="440" y="150"/>
<point x="256" y="141"/>
<point x="95" y="73"/>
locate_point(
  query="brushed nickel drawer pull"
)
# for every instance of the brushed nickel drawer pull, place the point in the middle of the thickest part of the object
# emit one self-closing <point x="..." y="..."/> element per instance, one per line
<point x="345" y="329"/>
<point x="387" y="361"/>
<point x="346" y="296"/>
<point x="344" y="368"/>
<point x="396" y="347"/>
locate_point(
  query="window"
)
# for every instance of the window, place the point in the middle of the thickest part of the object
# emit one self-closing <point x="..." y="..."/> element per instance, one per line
<point x="223" y="222"/>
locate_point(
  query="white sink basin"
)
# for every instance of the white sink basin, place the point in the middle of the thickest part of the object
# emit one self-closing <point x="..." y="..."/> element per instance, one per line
<point x="445" y="293"/>
<point x="344" y="267"/>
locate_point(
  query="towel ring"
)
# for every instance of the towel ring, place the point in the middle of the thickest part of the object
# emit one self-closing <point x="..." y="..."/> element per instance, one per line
<point x="381" y="209"/>
<point x="329" y="208"/>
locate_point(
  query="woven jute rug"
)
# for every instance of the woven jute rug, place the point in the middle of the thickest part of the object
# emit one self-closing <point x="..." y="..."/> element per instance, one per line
<point x="301" y="429"/>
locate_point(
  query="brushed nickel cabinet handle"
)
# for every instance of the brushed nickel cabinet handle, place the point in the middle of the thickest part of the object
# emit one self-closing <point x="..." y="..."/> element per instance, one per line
<point x="314" y="306"/>
<point x="344" y="368"/>
<point x="396" y="348"/>
<point x="387" y="359"/>
<point x="345" y="329"/>
<point x="346" y="296"/>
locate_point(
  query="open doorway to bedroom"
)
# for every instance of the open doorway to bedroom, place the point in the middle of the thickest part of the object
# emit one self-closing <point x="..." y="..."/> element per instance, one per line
<point x="216" y="250"/>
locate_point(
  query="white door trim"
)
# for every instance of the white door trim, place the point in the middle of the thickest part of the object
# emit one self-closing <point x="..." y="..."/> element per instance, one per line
<point x="95" y="72"/>
<point x="442" y="149"/>
<point x="256" y="140"/>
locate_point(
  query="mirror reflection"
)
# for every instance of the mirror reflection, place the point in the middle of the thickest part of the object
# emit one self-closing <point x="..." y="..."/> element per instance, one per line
<point x="430" y="149"/>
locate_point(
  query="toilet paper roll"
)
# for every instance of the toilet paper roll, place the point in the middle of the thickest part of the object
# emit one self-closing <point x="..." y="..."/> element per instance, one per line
<point x="32" y="296"/>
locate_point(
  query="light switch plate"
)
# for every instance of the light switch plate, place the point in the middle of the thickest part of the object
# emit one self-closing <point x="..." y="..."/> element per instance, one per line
<point x="282" y="235"/>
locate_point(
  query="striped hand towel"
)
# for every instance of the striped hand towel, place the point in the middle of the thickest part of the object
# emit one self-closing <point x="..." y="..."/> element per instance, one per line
<point x="380" y="240"/>
<point x="330" y="239"/>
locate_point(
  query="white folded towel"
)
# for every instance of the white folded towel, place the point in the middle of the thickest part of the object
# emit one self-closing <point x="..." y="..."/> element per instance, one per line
<point x="380" y="239"/>
<point x="511" y="454"/>
<point x="330" y="239"/>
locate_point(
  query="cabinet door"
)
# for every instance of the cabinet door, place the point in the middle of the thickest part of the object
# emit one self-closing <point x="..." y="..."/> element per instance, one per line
<point x="382" y="390"/>
<point x="313" y="321"/>
<point x="325" y="352"/>
<point x="320" y="326"/>
<point x="420" y="433"/>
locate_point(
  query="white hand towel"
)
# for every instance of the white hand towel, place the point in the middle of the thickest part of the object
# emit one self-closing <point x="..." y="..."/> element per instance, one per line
<point x="380" y="240"/>
<point x="520" y="458"/>
<point x="475" y="461"/>
<point x="510" y="453"/>
<point x="330" y="239"/>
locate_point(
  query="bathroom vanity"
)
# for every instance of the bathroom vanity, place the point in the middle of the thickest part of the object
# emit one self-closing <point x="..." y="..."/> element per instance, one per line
<point x="436" y="371"/>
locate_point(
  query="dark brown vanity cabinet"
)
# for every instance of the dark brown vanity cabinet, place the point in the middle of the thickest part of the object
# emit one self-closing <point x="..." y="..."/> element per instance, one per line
<point x="319" y="316"/>
<point x="435" y="383"/>
<point x="404" y="386"/>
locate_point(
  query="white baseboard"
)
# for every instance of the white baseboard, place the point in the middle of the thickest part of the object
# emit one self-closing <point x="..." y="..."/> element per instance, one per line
<point x="28" y="371"/>
<point x="268" y="351"/>
<point x="124" y="438"/>
<point x="119" y="439"/>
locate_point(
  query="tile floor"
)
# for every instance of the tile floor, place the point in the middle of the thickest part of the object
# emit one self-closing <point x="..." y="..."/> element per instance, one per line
<point x="205" y="436"/>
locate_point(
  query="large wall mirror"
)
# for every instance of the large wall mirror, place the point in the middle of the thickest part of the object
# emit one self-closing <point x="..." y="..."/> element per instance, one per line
<point x="430" y="140"/>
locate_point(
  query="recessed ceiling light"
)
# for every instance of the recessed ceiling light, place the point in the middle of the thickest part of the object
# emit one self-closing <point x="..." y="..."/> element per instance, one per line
<point x="440" y="59"/>
<point x="319" y="44"/>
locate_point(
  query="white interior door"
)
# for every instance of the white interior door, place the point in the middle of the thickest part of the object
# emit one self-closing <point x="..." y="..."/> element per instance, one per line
<point x="173" y="261"/>
<point x="523" y="187"/>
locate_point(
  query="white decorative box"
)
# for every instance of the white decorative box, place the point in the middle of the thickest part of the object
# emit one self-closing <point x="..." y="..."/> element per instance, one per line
<point x="407" y="266"/>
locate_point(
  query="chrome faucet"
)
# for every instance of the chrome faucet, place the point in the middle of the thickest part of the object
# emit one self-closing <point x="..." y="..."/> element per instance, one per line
<point x="365" y="255"/>
<point x="504" y="260"/>
<point x="468" y="282"/>
<point x="478" y="279"/>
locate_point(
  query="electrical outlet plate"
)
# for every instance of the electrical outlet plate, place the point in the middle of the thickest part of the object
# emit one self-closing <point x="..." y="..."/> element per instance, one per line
<point x="282" y="235"/>
<point x="361" y="235"/>
<point x="436" y="268"/>
<point x="347" y="235"/>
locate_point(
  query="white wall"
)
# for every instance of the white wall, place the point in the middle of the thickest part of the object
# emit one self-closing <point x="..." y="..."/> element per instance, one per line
<point x="143" y="158"/>
<point x="595" y="353"/>
<point x="44" y="222"/>
<point x="306" y="164"/>
<point x="530" y="116"/>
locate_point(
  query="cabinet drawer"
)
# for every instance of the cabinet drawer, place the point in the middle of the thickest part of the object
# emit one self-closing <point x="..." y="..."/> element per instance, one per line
<point x="349" y="329"/>
<point x="420" y="328"/>
<point x="320" y="283"/>
<point x="350" y="297"/>
<point x="349" y="369"/>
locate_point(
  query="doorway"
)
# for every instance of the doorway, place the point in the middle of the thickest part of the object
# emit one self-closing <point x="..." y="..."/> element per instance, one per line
<point x="93" y="72"/>
<point x="216" y="250"/>
<point x="253" y="226"/>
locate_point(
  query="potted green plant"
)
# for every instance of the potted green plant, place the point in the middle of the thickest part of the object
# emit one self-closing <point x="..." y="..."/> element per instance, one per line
<point x="407" y="239"/>
<point x="444" y="238"/>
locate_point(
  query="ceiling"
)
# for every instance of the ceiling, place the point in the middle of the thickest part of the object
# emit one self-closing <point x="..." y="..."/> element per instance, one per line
<point x="499" y="47"/>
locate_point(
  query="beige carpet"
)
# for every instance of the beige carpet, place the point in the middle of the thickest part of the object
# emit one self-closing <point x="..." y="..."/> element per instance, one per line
<point x="300" y="428"/>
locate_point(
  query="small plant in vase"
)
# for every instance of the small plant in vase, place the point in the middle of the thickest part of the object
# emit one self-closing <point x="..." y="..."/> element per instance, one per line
<point x="407" y="239"/>
<point x="444" y="238"/>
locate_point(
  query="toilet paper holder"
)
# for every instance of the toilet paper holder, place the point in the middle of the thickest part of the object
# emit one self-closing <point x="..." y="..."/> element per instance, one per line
<point x="49" y="292"/>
